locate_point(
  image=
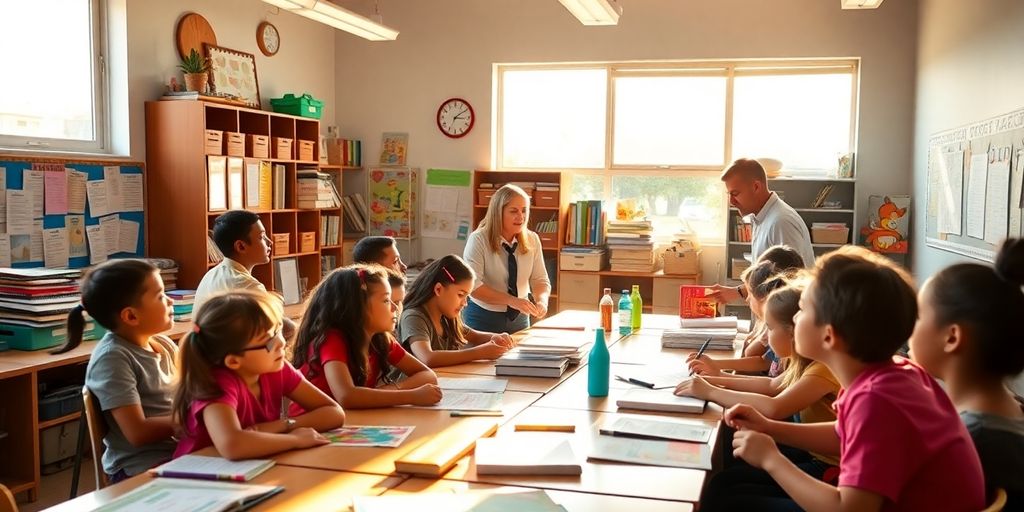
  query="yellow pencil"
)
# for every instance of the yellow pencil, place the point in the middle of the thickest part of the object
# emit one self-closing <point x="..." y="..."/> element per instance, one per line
<point x="532" y="427"/>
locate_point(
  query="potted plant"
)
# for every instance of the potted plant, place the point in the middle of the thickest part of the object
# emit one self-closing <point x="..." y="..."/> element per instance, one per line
<point x="196" y="69"/>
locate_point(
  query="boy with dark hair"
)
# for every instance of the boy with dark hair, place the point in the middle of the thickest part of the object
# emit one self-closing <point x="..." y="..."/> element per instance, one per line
<point x="900" y="441"/>
<point x="242" y="239"/>
<point x="381" y="250"/>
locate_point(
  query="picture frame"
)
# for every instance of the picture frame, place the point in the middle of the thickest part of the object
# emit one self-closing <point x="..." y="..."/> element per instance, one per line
<point x="286" y="280"/>
<point x="233" y="73"/>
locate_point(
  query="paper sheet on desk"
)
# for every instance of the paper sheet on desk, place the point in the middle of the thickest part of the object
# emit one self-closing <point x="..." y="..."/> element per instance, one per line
<point x="466" y="401"/>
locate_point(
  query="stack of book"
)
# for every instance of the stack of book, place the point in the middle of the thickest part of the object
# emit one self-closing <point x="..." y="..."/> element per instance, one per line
<point x="516" y="363"/>
<point x="316" y="190"/>
<point x="586" y="220"/>
<point x="168" y="271"/>
<point x="693" y="338"/>
<point x="550" y="342"/>
<point x="213" y="254"/>
<point x="547" y="186"/>
<point x="34" y="304"/>
<point x="355" y="213"/>
<point x="346" y="152"/>
<point x="742" y="231"/>
<point x="329" y="234"/>
<point x="183" y="302"/>
<point x="631" y="246"/>
<point x="328" y="262"/>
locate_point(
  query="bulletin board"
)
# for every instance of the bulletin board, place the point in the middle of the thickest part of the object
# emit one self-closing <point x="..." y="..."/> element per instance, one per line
<point x="976" y="186"/>
<point x="125" y="210"/>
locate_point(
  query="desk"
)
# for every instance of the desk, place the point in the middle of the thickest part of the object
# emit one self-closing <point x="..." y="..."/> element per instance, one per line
<point x="527" y="384"/>
<point x="645" y="347"/>
<point x="381" y="461"/>
<point x="599" y="477"/>
<point x="305" y="489"/>
<point x="572" y="501"/>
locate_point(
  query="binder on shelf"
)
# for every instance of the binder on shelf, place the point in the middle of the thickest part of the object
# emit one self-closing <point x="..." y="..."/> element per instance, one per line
<point x="217" y="193"/>
<point x="235" y="178"/>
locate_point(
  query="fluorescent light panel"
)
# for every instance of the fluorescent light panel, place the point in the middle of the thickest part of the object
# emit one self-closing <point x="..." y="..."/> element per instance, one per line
<point x="860" y="4"/>
<point x="334" y="16"/>
<point x="594" y="12"/>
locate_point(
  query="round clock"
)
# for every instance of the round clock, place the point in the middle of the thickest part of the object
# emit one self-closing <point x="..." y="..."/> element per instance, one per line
<point x="455" y="117"/>
<point x="268" y="39"/>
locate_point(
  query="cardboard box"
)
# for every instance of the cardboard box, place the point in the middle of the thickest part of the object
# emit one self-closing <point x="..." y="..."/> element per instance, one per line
<point x="307" y="241"/>
<point x="588" y="262"/>
<point x="257" y="146"/>
<point x="682" y="263"/>
<point x="282" y="148"/>
<point x="281" y="243"/>
<point x="305" y="152"/>
<point x="739" y="265"/>
<point x="234" y="144"/>
<point x="213" y="142"/>
<point x="830" y="236"/>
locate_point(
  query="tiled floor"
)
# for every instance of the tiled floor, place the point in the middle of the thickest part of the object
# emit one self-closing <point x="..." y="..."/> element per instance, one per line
<point x="55" y="488"/>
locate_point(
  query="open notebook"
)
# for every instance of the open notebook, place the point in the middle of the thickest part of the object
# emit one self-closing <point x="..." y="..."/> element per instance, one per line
<point x="172" y="495"/>
<point x="212" y="468"/>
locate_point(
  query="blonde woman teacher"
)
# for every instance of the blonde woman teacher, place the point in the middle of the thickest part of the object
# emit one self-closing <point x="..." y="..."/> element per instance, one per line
<point x="511" y="282"/>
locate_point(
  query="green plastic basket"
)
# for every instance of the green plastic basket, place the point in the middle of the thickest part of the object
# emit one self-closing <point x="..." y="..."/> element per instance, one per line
<point x="305" y="105"/>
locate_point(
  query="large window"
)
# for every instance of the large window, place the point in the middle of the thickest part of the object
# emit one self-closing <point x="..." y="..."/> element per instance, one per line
<point x="55" y="99"/>
<point x="661" y="133"/>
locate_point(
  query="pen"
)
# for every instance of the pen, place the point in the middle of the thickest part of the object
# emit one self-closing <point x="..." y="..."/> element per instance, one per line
<point x="456" y="414"/>
<point x="638" y="382"/>
<point x="703" y="348"/>
<point x="533" y="427"/>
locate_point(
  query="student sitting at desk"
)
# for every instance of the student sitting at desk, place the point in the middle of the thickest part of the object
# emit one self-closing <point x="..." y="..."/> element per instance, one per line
<point x="380" y="250"/>
<point x="903" y="446"/>
<point x="242" y="239"/>
<point x="131" y="370"/>
<point x="234" y="377"/>
<point x="346" y="349"/>
<point x="968" y="334"/>
<point x="431" y="328"/>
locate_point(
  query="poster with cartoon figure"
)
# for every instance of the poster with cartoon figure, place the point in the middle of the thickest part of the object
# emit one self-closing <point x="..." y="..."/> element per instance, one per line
<point x="393" y="194"/>
<point x="394" y="148"/>
<point x="888" y="224"/>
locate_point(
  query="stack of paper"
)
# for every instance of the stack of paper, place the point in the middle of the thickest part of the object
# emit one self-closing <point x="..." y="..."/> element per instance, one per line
<point x="718" y="322"/>
<point x="34" y="304"/>
<point x="721" y="338"/>
<point x="630" y="245"/>
<point x="552" y="342"/>
<point x="516" y="363"/>
<point x="660" y="400"/>
<point x="526" y="454"/>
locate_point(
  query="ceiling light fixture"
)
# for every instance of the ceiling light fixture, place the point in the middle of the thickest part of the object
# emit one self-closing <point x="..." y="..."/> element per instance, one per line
<point x="594" y="12"/>
<point x="338" y="17"/>
<point x="860" y="4"/>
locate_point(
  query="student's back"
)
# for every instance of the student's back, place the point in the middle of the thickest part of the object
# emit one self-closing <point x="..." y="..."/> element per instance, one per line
<point x="1000" y="444"/>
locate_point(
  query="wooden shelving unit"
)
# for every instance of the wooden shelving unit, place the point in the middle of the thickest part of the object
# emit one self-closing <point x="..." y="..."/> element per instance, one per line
<point x="177" y="184"/>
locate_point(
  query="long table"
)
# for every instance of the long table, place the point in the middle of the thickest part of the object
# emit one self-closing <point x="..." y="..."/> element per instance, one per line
<point x="325" y="475"/>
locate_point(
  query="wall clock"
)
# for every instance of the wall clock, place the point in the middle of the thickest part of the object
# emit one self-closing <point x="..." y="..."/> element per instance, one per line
<point x="192" y="31"/>
<point x="455" y="117"/>
<point x="268" y="38"/>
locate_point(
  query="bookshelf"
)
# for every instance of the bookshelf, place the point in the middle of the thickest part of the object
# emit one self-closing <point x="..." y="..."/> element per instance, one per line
<point x="180" y="135"/>
<point x="551" y="242"/>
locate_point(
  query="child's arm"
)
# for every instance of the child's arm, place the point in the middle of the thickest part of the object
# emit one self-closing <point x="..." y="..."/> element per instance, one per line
<point x="437" y="358"/>
<point x="713" y="367"/>
<point x="749" y="383"/>
<point x="322" y="413"/>
<point x="811" y="494"/>
<point x="140" y="430"/>
<point x="475" y="337"/>
<point x="813" y="437"/>
<point x="235" y="443"/>
<point x="790" y="401"/>
<point x="416" y="390"/>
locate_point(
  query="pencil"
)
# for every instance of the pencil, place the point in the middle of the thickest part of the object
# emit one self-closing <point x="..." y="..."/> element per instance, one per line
<point x="455" y="414"/>
<point x="534" y="427"/>
<point x="703" y="348"/>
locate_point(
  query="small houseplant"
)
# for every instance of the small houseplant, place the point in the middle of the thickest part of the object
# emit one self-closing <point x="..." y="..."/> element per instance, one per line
<point x="196" y="69"/>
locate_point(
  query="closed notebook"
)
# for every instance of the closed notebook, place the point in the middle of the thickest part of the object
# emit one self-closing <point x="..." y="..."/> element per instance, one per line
<point x="658" y="429"/>
<point x="660" y="400"/>
<point x="526" y="455"/>
<point x="435" y="456"/>
<point x="213" y="468"/>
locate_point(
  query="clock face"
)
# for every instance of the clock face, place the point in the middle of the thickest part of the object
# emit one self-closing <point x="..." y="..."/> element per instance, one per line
<point x="455" y="118"/>
<point x="268" y="39"/>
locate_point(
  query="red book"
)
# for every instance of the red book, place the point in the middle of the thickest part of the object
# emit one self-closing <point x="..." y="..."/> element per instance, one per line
<point x="693" y="302"/>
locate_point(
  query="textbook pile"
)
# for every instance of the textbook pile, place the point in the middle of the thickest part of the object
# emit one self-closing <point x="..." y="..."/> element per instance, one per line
<point x="552" y="342"/>
<point x="34" y="304"/>
<point x="630" y="245"/>
<point x="518" y="363"/>
<point x="316" y="190"/>
<point x="693" y="332"/>
<point x="183" y="302"/>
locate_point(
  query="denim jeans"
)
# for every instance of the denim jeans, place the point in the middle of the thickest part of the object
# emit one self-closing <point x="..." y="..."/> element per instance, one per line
<point x="483" y="320"/>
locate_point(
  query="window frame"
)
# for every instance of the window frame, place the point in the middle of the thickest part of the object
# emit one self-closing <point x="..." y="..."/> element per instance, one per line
<point x="100" y="100"/>
<point x="729" y="69"/>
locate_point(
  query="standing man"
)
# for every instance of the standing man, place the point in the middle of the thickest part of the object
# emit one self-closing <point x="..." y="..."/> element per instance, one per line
<point x="774" y="222"/>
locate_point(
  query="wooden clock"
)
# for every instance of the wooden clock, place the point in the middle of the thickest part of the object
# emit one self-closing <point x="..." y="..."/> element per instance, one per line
<point x="268" y="39"/>
<point x="455" y="117"/>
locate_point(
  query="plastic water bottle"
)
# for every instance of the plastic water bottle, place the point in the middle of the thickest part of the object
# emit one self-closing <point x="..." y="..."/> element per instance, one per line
<point x="607" y="305"/>
<point x="625" y="317"/>
<point x="598" y="366"/>
<point x="636" y="308"/>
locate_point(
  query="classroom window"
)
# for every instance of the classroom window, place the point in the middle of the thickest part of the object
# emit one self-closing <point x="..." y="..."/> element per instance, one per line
<point x="55" y="102"/>
<point x="662" y="132"/>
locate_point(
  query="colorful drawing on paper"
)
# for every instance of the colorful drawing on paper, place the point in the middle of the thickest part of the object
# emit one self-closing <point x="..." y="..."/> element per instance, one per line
<point x="394" y="148"/>
<point x="385" y="436"/>
<point x="888" y="224"/>
<point x="392" y="194"/>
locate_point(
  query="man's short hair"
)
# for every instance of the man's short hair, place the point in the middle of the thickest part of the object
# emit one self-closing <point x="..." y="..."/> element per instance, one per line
<point x="747" y="168"/>
<point x="395" y="279"/>
<point x="370" y="249"/>
<point x="867" y="299"/>
<point x="231" y="227"/>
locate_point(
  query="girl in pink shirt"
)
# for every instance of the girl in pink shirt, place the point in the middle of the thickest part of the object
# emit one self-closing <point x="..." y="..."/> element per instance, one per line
<point x="234" y="377"/>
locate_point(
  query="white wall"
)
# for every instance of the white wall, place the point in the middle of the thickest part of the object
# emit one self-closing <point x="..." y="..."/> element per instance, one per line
<point x="447" y="49"/>
<point x="970" y="67"/>
<point x="305" y="62"/>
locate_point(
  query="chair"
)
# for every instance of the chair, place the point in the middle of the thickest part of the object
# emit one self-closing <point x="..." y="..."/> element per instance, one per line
<point x="998" y="503"/>
<point x="7" y="503"/>
<point x="97" y="430"/>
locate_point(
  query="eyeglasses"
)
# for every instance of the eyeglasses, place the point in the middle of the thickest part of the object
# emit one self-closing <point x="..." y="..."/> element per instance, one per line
<point x="269" y="346"/>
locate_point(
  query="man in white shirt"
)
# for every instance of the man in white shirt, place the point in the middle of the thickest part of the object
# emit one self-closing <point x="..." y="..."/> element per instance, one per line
<point x="774" y="221"/>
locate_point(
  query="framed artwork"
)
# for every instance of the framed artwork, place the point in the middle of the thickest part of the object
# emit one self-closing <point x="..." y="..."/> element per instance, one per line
<point x="233" y="73"/>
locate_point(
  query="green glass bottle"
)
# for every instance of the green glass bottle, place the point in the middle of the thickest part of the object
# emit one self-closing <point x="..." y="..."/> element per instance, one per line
<point x="636" y="308"/>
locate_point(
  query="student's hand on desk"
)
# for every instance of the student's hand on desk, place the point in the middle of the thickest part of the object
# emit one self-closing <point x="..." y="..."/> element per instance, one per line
<point x="492" y="350"/>
<point x="695" y="387"/>
<point x="704" y="366"/>
<point x="743" y="416"/>
<point x="427" y="394"/>
<point x="306" y="437"/>
<point x="755" y="448"/>
<point x="503" y="339"/>
<point x="723" y="294"/>
<point x="523" y="306"/>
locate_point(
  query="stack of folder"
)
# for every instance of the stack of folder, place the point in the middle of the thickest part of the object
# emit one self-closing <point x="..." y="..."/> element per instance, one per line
<point x="184" y="300"/>
<point x="34" y="304"/>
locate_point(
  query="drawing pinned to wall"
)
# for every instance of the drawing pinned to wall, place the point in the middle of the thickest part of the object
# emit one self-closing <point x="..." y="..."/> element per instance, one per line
<point x="888" y="224"/>
<point x="393" y="196"/>
<point x="394" y="148"/>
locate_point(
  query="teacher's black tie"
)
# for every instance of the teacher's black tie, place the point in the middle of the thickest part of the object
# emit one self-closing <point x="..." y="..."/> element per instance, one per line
<point x="513" y="278"/>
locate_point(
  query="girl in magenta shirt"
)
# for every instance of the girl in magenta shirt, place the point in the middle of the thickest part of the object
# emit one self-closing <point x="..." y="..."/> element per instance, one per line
<point x="234" y="378"/>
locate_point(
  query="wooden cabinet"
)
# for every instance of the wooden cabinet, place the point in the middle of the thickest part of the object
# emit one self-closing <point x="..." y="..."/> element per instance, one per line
<point x="660" y="292"/>
<point x="178" y="138"/>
